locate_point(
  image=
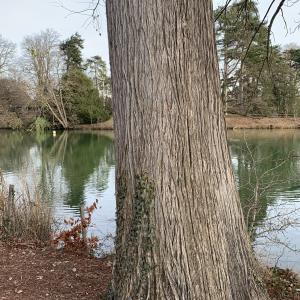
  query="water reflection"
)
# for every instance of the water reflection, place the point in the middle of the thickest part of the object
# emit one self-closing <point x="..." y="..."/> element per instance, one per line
<point x="266" y="167"/>
<point x="69" y="169"/>
<point x="79" y="156"/>
<point x="14" y="150"/>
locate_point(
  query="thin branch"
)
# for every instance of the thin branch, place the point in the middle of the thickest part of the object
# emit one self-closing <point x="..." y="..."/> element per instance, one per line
<point x="257" y="30"/>
<point x="278" y="9"/>
<point x="223" y="9"/>
<point x="87" y="11"/>
<point x="284" y="21"/>
<point x="91" y="13"/>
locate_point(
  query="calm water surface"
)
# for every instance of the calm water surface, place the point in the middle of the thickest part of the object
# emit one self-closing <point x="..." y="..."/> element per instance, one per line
<point x="78" y="167"/>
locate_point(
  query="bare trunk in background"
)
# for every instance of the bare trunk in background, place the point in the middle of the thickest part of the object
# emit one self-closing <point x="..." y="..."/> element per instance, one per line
<point x="180" y="229"/>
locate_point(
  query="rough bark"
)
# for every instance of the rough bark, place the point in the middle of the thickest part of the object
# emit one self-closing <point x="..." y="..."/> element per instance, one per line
<point x="224" y="94"/>
<point x="180" y="230"/>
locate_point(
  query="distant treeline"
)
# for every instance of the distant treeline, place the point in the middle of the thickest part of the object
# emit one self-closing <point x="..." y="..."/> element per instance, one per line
<point x="51" y="85"/>
<point x="257" y="77"/>
<point x="52" y="82"/>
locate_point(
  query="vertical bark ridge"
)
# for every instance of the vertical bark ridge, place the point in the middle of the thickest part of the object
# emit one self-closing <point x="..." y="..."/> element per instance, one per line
<point x="180" y="230"/>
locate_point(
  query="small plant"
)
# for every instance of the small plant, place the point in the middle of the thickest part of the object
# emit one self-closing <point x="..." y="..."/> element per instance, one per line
<point x="75" y="237"/>
<point x="40" y="125"/>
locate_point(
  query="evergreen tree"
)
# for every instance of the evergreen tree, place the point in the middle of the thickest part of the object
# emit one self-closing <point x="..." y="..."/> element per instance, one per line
<point x="84" y="103"/>
<point x="71" y="49"/>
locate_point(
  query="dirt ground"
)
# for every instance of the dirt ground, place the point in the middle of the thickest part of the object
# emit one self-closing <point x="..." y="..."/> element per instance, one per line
<point x="31" y="273"/>
<point x="27" y="272"/>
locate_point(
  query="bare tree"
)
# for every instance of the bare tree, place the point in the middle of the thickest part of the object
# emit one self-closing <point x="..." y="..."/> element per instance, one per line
<point x="180" y="229"/>
<point x="7" y="51"/>
<point x="43" y="63"/>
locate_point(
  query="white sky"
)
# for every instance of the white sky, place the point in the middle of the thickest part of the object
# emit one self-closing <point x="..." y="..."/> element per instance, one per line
<point x="19" y="18"/>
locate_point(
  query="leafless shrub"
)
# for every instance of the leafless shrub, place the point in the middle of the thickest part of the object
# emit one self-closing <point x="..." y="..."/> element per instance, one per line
<point x="279" y="218"/>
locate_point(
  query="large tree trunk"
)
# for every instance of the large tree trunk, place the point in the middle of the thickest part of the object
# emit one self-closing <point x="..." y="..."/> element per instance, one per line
<point x="180" y="230"/>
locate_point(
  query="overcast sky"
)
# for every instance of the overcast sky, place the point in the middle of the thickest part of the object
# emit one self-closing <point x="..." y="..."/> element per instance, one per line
<point x="19" y="18"/>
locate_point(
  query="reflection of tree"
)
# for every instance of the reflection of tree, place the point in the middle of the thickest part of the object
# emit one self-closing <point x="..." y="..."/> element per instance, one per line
<point x="262" y="166"/>
<point x="52" y="152"/>
<point x="14" y="150"/>
<point x="80" y="155"/>
<point x="62" y="166"/>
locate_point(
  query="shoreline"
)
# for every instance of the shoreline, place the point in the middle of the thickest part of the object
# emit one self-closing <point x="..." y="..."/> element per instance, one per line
<point x="107" y="125"/>
<point x="232" y="122"/>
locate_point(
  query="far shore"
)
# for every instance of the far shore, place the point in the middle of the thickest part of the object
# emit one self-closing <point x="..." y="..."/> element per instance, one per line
<point x="232" y="122"/>
<point x="107" y="125"/>
<point x="242" y="122"/>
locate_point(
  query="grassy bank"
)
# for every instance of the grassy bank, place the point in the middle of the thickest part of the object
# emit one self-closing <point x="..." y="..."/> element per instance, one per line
<point x="241" y="122"/>
<point x="33" y="264"/>
<point x="107" y="125"/>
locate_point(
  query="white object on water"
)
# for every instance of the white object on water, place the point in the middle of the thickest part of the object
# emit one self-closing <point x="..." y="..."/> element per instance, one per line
<point x="54" y="133"/>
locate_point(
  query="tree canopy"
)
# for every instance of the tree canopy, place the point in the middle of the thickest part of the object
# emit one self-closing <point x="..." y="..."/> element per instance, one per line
<point x="71" y="49"/>
<point x="65" y="88"/>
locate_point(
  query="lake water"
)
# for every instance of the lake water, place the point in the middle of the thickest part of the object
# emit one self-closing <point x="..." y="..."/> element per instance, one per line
<point x="73" y="168"/>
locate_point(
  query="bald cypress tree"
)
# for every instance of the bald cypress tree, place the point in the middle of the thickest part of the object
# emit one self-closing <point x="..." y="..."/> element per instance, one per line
<point x="180" y="230"/>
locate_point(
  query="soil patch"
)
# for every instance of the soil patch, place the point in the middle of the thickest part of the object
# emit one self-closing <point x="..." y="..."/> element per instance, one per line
<point x="28" y="272"/>
<point x="32" y="273"/>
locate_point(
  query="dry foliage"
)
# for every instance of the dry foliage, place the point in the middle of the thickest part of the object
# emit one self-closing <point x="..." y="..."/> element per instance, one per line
<point x="23" y="217"/>
<point x="74" y="238"/>
<point x="282" y="284"/>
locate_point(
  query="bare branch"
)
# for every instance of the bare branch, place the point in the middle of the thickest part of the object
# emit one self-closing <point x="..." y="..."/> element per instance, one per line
<point x="278" y="9"/>
<point x="223" y="9"/>
<point x="284" y="21"/>
<point x="92" y="13"/>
